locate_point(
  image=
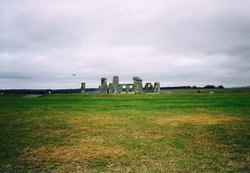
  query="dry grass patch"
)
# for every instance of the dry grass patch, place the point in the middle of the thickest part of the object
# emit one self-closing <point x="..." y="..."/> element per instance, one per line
<point x="106" y="120"/>
<point x="98" y="118"/>
<point x="76" y="120"/>
<point x="197" y="119"/>
<point x="56" y="132"/>
<point x="51" y="133"/>
<point x="80" y="152"/>
<point x="148" y="134"/>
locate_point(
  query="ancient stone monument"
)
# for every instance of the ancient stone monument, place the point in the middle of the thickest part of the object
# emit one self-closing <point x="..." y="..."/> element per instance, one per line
<point x="83" y="89"/>
<point x="115" y="84"/>
<point x="104" y="87"/>
<point x="135" y="88"/>
<point x="157" y="88"/>
<point x="148" y="88"/>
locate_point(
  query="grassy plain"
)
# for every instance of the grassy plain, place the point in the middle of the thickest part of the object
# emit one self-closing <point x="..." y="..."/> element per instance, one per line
<point x="177" y="132"/>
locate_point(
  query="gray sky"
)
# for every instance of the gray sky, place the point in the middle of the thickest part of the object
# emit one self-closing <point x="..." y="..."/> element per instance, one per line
<point x="175" y="42"/>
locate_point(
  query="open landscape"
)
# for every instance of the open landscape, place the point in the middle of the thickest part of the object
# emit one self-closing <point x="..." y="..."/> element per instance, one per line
<point x="145" y="86"/>
<point x="167" y="132"/>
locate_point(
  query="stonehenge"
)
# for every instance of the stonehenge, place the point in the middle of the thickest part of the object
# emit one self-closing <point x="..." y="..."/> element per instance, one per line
<point x="135" y="88"/>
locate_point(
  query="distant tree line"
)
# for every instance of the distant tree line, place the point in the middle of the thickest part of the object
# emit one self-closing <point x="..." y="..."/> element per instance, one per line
<point x="45" y="91"/>
<point x="194" y="87"/>
<point x="212" y="86"/>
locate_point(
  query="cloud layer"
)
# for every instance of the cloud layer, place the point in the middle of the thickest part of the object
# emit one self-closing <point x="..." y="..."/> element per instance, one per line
<point x="175" y="42"/>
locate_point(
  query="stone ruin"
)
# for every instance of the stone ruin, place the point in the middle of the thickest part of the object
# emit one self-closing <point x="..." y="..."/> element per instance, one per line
<point x="83" y="88"/>
<point x="135" y="88"/>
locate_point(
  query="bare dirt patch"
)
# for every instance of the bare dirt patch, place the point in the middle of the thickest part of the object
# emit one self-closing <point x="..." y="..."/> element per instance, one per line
<point x="30" y="96"/>
<point x="82" y="151"/>
<point x="197" y="120"/>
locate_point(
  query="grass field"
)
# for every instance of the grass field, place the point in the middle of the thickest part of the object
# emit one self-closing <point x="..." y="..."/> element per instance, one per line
<point x="177" y="132"/>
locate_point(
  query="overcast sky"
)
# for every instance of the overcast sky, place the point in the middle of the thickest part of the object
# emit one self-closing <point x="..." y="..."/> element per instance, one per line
<point x="175" y="42"/>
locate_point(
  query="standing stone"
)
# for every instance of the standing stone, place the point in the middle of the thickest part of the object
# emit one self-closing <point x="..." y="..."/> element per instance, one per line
<point x="111" y="88"/>
<point x="127" y="88"/>
<point x="140" y="86"/>
<point x="104" y="86"/>
<point x="137" y="85"/>
<point x="157" y="88"/>
<point x="116" y="84"/>
<point x="131" y="91"/>
<point x="83" y="89"/>
<point x="148" y="88"/>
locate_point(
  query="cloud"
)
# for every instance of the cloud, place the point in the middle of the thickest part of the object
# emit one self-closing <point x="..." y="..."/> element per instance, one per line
<point x="174" y="42"/>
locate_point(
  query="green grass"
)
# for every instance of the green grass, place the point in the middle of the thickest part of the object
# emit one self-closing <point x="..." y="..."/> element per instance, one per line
<point x="177" y="132"/>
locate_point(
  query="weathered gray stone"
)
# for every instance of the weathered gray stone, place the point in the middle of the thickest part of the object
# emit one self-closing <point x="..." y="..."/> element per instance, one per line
<point x="130" y="88"/>
<point x="111" y="88"/>
<point x="157" y="88"/>
<point x="122" y="88"/>
<point x="137" y="85"/>
<point x="127" y="88"/>
<point x="116" y="84"/>
<point x="104" y="86"/>
<point x="83" y="89"/>
<point x="148" y="88"/>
